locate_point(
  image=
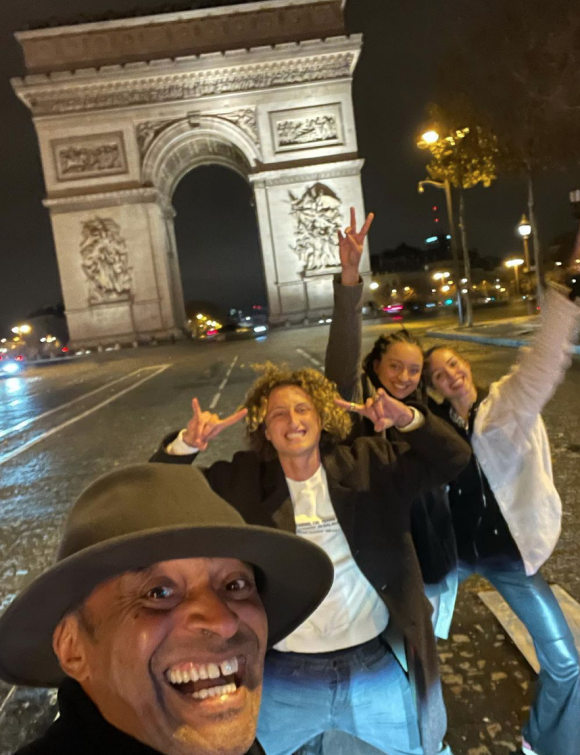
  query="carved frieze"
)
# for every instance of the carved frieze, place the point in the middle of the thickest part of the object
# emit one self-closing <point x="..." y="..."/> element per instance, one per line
<point x="89" y="157"/>
<point x="66" y="97"/>
<point x="148" y="131"/>
<point x="317" y="220"/>
<point x="105" y="261"/>
<point x="245" y="119"/>
<point x="307" y="128"/>
<point x="319" y="128"/>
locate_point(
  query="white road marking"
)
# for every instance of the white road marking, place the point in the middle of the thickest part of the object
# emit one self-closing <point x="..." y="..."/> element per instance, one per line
<point x="310" y="358"/>
<point x="9" y="694"/>
<point x="223" y="384"/>
<point x="32" y="420"/>
<point x="58" y="428"/>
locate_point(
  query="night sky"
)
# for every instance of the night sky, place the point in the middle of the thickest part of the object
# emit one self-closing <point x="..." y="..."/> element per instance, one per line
<point x="216" y="229"/>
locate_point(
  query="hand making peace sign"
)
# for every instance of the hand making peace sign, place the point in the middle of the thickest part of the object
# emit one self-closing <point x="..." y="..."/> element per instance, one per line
<point x="351" y="245"/>
<point x="383" y="410"/>
<point x="205" y="426"/>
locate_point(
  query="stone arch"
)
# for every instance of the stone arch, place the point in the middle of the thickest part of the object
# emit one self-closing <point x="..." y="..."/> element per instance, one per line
<point x="263" y="91"/>
<point x="184" y="145"/>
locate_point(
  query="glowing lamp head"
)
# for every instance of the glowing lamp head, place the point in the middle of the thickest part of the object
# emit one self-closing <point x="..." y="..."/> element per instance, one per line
<point x="514" y="263"/>
<point x="430" y="137"/>
<point x="524" y="227"/>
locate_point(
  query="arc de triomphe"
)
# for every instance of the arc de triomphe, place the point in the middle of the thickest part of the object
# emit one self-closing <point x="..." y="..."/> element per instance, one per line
<point x="124" y="109"/>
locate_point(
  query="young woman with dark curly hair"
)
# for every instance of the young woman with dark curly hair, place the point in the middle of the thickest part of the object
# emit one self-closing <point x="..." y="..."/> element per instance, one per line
<point x="338" y="670"/>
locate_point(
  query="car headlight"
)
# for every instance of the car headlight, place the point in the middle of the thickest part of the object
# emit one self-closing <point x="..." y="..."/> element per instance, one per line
<point x="10" y="368"/>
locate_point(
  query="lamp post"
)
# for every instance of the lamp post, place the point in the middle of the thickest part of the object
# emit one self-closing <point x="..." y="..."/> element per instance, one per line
<point x="446" y="186"/>
<point x="525" y="231"/>
<point x="427" y="140"/>
<point x="515" y="263"/>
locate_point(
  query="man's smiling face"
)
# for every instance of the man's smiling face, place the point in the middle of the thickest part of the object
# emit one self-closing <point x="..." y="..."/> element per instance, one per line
<point x="173" y="655"/>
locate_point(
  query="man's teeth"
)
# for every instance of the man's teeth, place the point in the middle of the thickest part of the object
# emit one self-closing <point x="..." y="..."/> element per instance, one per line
<point x="225" y="689"/>
<point x="193" y="673"/>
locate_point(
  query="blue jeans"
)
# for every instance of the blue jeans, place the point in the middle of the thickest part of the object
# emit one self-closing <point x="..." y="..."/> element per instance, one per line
<point x="362" y="691"/>
<point x="554" y="724"/>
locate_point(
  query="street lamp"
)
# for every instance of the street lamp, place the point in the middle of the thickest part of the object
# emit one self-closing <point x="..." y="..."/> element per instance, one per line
<point x="515" y="263"/>
<point x="427" y="140"/>
<point x="429" y="137"/>
<point x="446" y="186"/>
<point x="374" y="285"/>
<point x="525" y="231"/>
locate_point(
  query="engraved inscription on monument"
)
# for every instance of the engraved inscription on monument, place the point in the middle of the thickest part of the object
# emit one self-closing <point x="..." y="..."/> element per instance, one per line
<point x="307" y="128"/>
<point x="105" y="260"/>
<point x="317" y="220"/>
<point x="89" y="157"/>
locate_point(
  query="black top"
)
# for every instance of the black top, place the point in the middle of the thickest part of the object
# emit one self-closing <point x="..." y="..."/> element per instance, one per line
<point x="480" y="529"/>
<point x="81" y="729"/>
<point x="431" y="525"/>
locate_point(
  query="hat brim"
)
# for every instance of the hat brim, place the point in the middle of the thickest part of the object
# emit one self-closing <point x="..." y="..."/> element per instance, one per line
<point x="297" y="575"/>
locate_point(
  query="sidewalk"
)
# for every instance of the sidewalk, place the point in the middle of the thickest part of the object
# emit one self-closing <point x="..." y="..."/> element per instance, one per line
<point x="513" y="332"/>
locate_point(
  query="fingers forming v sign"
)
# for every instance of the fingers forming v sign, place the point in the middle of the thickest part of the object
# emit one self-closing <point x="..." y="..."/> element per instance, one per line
<point x="351" y="242"/>
<point x="382" y="410"/>
<point x="205" y="426"/>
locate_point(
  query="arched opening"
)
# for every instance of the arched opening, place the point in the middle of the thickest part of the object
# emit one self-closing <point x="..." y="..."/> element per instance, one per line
<point x="218" y="242"/>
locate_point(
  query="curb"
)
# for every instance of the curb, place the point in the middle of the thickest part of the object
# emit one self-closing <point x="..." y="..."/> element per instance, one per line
<point x="513" y="343"/>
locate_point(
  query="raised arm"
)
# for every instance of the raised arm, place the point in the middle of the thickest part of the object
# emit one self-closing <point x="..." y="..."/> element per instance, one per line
<point x="344" y="350"/>
<point x="540" y="368"/>
<point x="433" y="455"/>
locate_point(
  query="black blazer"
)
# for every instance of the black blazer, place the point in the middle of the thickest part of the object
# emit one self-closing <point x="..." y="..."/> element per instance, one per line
<point x="371" y="485"/>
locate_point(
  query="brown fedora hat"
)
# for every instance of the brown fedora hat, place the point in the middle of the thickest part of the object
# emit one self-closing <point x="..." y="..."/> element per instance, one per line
<point x="139" y="516"/>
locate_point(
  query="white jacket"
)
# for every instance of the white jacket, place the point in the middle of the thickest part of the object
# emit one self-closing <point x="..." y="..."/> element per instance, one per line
<point x="509" y="437"/>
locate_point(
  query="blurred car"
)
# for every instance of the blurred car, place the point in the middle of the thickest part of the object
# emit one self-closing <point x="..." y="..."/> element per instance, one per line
<point x="11" y="364"/>
<point x="240" y="331"/>
<point x="411" y="308"/>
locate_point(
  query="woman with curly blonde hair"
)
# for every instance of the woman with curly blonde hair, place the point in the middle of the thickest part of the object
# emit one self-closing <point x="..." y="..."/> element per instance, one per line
<point x="335" y="422"/>
<point x="338" y="670"/>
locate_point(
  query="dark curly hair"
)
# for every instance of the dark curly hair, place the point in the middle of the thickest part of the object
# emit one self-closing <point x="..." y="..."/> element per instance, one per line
<point x="334" y="421"/>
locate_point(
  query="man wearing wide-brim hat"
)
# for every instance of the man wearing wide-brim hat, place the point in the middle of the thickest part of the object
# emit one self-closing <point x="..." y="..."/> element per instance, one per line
<point x="155" y="619"/>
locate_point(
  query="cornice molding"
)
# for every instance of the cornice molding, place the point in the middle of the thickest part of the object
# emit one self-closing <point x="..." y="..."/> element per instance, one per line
<point x="145" y="195"/>
<point x="286" y="176"/>
<point x="162" y="82"/>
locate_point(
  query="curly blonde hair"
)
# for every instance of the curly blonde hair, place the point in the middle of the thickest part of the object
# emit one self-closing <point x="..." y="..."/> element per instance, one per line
<point x="333" y="420"/>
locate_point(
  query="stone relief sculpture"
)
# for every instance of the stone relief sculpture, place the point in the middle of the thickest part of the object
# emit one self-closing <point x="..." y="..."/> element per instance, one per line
<point x="317" y="220"/>
<point x="177" y="87"/>
<point x="105" y="260"/>
<point x="320" y="128"/>
<point x="244" y="119"/>
<point x="147" y="133"/>
<point x="90" y="157"/>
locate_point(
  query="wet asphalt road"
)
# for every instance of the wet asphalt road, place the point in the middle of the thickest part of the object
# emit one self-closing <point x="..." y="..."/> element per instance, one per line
<point x="63" y="425"/>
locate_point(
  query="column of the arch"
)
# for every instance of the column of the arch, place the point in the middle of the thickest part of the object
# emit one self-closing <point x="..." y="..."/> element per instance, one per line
<point x="110" y="297"/>
<point x="174" y="270"/>
<point x="268" y="251"/>
<point x="293" y="292"/>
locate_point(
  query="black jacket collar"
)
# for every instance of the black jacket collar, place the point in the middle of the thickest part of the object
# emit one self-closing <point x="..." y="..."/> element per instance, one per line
<point x="82" y="729"/>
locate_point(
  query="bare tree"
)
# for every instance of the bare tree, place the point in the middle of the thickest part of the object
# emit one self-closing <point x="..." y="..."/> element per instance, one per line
<point x="516" y="62"/>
